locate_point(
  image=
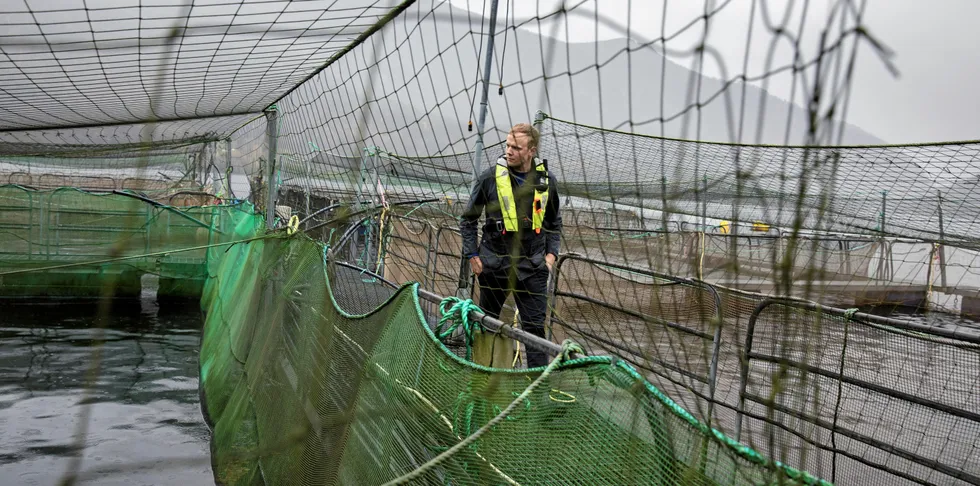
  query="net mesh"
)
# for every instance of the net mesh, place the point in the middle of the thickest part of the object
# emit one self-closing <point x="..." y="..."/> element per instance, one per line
<point x="82" y="63"/>
<point x="71" y="243"/>
<point x="879" y="190"/>
<point x="694" y="185"/>
<point x="332" y="397"/>
<point x="837" y="395"/>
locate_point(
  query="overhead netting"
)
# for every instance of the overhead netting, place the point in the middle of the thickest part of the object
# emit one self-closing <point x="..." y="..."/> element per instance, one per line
<point x="300" y="391"/>
<point x="884" y="190"/>
<point x="98" y="63"/>
<point x="154" y="159"/>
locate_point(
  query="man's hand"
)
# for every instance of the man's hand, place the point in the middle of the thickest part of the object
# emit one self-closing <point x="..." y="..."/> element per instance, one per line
<point x="476" y="265"/>
<point x="549" y="260"/>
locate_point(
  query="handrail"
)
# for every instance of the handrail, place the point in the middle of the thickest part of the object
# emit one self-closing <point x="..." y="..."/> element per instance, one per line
<point x="717" y="318"/>
<point x="488" y="322"/>
<point x="886" y="324"/>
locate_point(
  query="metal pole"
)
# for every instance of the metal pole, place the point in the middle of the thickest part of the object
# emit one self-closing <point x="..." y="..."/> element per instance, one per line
<point x="495" y="325"/>
<point x="942" y="245"/>
<point x="704" y="205"/>
<point x="381" y="199"/>
<point x="932" y="254"/>
<point x="882" y="269"/>
<point x="364" y="190"/>
<point x="272" y="131"/>
<point x="704" y="228"/>
<point x="211" y="151"/>
<point x="464" y="268"/>
<point x="229" y="190"/>
<point x="884" y="196"/>
<point x="361" y="177"/>
<point x="487" y="66"/>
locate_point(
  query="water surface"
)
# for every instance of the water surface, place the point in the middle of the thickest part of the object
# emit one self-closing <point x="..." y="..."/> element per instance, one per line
<point x="145" y="423"/>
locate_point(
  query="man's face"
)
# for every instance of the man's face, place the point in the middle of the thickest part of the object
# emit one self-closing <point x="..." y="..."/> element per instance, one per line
<point x="518" y="153"/>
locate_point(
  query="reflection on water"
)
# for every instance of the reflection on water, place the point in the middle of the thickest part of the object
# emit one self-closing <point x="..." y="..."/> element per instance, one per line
<point x="145" y="426"/>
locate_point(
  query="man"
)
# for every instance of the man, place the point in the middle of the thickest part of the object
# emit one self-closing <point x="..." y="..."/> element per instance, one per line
<point x="521" y="236"/>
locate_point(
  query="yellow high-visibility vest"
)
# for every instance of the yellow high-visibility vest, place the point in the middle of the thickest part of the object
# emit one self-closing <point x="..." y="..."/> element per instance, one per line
<point x="505" y="196"/>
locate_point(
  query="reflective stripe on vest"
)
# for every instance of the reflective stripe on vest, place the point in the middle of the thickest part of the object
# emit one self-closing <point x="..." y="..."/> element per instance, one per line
<point x="505" y="196"/>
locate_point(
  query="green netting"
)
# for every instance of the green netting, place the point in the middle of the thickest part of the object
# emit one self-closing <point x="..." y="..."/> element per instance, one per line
<point x="68" y="242"/>
<point x="300" y="392"/>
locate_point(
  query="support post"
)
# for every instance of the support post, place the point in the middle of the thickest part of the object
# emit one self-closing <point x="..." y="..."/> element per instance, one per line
<point x="884" y="199"/>
<point x="272" y="133"/>
<point x="362" y="174"/>
<point x="485" y="92"/>
<point x="228" y="169"/>
<point x="702" y="244"/>
<point x="932" y="255"/>
<point x="464" y="267"/>
<point x="942" y="244"/>
<point x="882" y="264"/>
<point x="206" y="165"/>
<point x="704" y="204"/>
<point x="193" y="166"/>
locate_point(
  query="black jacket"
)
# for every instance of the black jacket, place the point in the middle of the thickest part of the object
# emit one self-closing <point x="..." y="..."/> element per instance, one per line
<point x="498" y="250"/>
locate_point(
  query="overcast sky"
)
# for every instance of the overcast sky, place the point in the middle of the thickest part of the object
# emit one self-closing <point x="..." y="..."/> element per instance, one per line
<point x="934" y="44"/>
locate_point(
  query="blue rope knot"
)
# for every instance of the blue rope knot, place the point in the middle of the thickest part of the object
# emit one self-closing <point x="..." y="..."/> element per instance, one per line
<point x="456" y="312"/>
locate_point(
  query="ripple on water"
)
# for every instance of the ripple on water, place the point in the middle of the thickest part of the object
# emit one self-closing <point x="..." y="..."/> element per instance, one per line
<point x="145" y="424"/>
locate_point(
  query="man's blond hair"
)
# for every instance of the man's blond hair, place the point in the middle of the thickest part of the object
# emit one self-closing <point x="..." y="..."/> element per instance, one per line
<point x="533" y="135"/>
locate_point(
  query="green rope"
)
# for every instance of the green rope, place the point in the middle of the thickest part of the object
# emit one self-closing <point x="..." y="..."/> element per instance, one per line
<point x="740" y="449"/>
<point x="457" y="315"/>
<point x="849" y="313"/>
<point x="413" y="209"/>
<point x="567" y="348"/>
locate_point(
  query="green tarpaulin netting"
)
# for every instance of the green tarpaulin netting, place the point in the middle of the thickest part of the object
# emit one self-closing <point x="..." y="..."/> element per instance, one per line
<point x="70" y="242"/>
<point x="298" y="391"/>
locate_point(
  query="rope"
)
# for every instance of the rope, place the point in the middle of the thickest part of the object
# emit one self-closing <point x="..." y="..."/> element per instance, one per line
<point x="849" y="313"/>
<point x="500" y="66"/>
<point x="568" y="347"/>
<point x="418" y="395"/>
<point x="458" y="314"/>
<point x="403" y="223"/>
